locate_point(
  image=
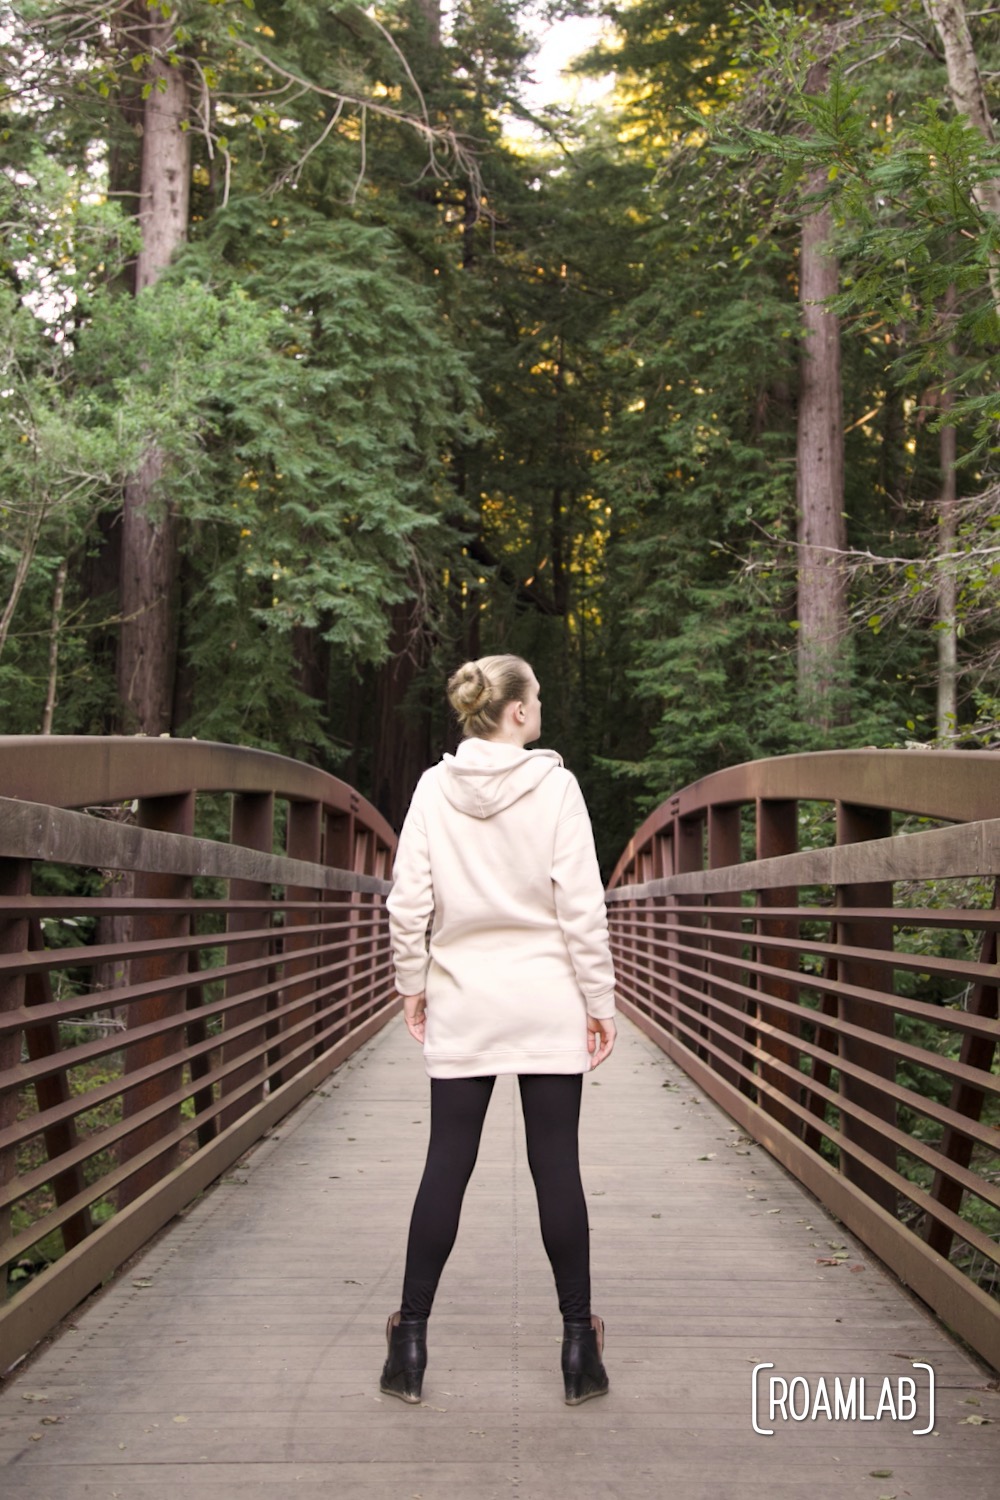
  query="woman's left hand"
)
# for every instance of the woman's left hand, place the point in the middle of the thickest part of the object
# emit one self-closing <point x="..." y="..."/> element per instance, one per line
<point x="415" y="1015"/>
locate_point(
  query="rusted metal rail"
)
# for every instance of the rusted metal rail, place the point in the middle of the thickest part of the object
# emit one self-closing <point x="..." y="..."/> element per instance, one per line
<point x="165" y="998"/>
<point x="828" y="1002"/>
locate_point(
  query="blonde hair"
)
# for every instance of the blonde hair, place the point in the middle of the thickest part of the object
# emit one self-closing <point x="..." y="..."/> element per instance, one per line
<point x="480" y="691"/>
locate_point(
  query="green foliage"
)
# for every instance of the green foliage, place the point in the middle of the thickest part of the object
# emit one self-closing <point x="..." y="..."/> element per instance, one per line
<point x="322" y="485"/>
<point x="64" y="451"/>
<point x="919" y="256"/>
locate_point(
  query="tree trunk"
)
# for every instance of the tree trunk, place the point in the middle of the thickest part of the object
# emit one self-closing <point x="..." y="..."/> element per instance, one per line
<point x="312" y="664"/>
<point x="57" y="605"/>
<point x="947" y="621"/>
<point x="147" y="650"/>
<point x="431" y="12"/>
<point x="34" y="521"/>
<point x="184" y="674"/>
<point x="165" y="187"/>
<point x="822" y="599"/>
<point x="125" y="134"/>
<point x="402" y="721"/>
<point x="558" y="539"/>
<point x="965" y="85"/>
<point x="147" y="654"/>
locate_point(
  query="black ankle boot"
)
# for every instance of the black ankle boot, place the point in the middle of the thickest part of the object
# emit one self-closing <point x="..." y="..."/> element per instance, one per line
<point x="583" y="1371"/>
<point x="403" y="1371"/>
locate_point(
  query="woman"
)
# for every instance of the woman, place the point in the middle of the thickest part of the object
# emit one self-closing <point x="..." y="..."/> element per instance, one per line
<point x="497" y="844"/>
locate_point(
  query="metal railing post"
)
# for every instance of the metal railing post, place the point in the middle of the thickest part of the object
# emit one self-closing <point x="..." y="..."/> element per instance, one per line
<point x="856" y="825"/>
<point x="690" y="835"/>
<point x="15" y="880"/>
<point x="52" y="1090"/>
<point x="341" y="841"/>
<point x="724" y="849"/>
<point x="777" y="834"/>
<point x="303" y="840"/>
<point x="975" y="1052"/>
<point x="253" y="828"/>
<point x="169" y="815"/>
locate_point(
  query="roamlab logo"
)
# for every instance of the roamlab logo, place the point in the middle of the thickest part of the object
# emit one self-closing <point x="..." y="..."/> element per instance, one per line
<point x="781" y="1399"/>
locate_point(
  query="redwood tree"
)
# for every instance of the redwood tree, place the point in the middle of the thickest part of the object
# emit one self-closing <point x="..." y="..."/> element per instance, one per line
<point x="821" y="533"/>
<point x="148" y="644"/>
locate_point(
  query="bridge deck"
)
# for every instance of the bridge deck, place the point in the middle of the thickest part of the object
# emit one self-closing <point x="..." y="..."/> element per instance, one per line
<point x="241" y="1353"/>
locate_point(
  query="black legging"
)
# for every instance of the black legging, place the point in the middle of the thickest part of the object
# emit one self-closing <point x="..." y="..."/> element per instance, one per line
<point x="551" y="1105"/>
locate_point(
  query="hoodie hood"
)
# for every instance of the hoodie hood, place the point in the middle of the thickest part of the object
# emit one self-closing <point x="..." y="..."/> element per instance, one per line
<point x="485" y="776"/>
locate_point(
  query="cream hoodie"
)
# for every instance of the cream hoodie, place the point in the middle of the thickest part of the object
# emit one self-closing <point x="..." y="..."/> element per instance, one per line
<point x="497" y="844"/>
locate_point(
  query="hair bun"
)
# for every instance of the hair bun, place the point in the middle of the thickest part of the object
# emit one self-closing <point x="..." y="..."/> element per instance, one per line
<point x="469" y="690"/>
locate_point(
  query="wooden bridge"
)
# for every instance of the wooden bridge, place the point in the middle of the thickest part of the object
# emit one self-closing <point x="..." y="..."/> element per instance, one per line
<point x="209" y="1108"/>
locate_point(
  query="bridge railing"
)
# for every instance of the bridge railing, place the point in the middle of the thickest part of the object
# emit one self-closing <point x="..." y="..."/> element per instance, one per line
<point x="840" y="1002"/>
<point x="165" y="998"/>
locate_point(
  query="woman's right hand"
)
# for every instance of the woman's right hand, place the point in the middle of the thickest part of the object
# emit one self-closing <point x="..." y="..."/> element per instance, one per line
<point x="600" y="1039"/>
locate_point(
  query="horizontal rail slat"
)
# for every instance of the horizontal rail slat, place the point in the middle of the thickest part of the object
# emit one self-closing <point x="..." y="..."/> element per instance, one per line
<point x="939" y="1015"/>
<point x="23" y="1016"/>
<point x="974" y="918"/>
<point x="24" y="1073"/>
<point x="57" y="1290"/>
<point x="89" y="771"/>
<point x="30" y="830"/>
<point x="910" y="1190"/>
<point x="891" y="1045"/>
<point x="88" y="956"/>
<point x="96" y="1190"/>
<point x="967" y="1309"/>
<point x="131" y="906"/>
<point x="35" y="1124"/>
<point x="939" y="853"/>
<point x="910" y="1144"/>
<point x="887" y="958"/>
<point x="922" y="1104"/>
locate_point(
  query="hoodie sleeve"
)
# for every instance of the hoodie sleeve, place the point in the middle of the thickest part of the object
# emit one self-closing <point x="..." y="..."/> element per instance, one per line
<point x="579" y="898"/>
<point x="410" y="902"/>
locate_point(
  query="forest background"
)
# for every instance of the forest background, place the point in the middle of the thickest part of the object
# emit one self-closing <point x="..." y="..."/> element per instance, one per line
<point x="316" y="378"/>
